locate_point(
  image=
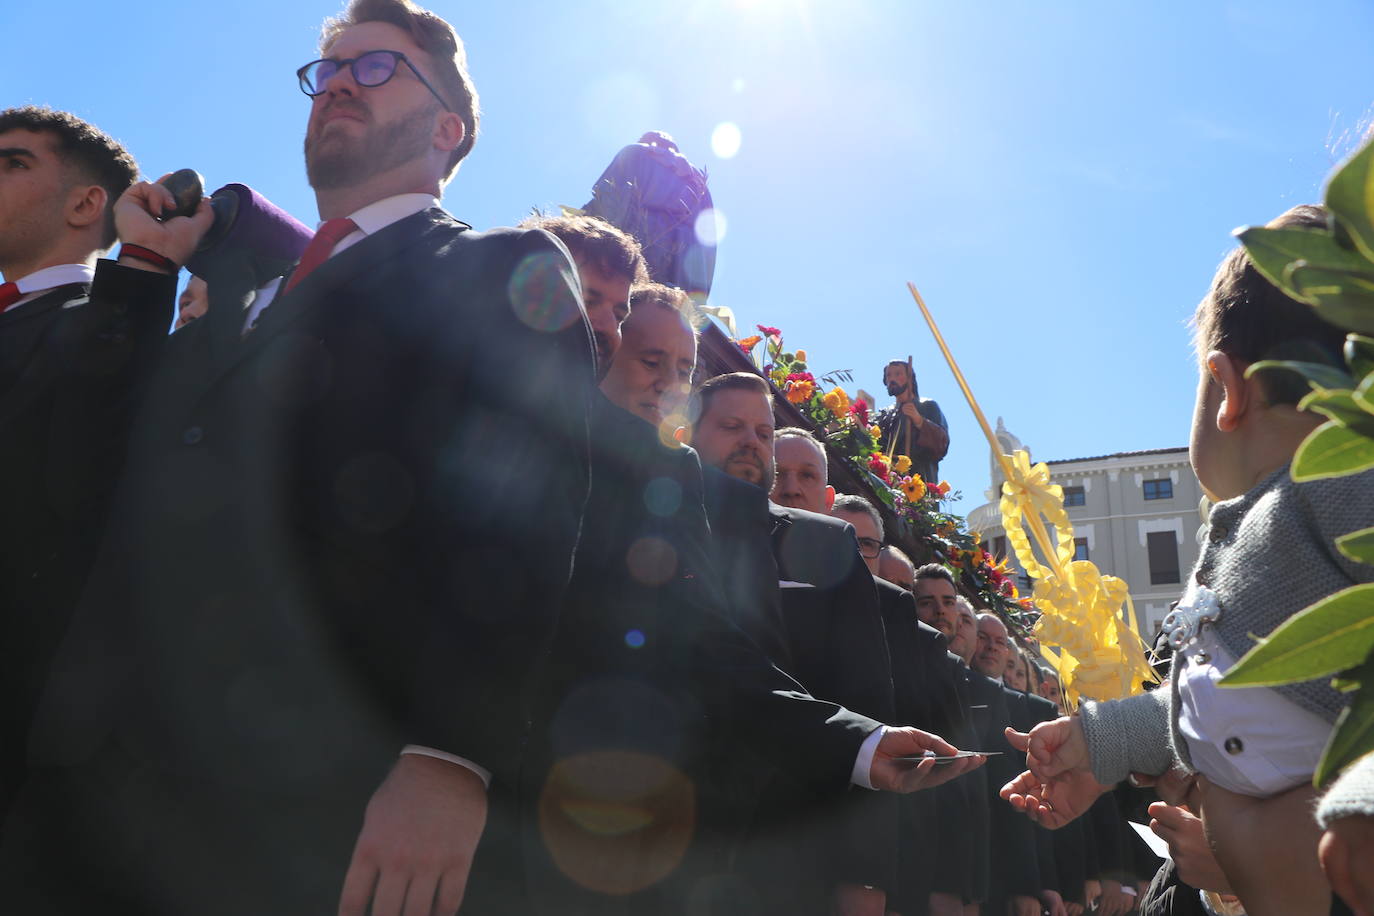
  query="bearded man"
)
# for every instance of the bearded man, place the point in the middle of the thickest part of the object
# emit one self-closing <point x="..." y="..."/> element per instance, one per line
<point x="340" y="543"/>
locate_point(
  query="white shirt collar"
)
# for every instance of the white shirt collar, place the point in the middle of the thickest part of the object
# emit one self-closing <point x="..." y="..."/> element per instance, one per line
<point x="52" y="277"/>
<point x="377" y="215"/>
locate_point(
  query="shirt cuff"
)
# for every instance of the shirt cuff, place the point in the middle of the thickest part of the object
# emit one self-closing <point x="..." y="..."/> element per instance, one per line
<point x="864" y="762"/>
<point x="482" y="772"/>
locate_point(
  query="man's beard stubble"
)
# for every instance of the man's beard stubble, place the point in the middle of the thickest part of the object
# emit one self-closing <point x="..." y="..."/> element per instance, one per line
<point x="347" y="161"/>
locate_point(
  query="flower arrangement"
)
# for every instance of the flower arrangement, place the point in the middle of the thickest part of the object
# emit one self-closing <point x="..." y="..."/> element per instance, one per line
<point x="929" y="531"/>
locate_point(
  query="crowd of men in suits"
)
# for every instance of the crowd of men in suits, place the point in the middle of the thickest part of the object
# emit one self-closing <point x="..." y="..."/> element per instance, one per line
<point x="385" y="583"/>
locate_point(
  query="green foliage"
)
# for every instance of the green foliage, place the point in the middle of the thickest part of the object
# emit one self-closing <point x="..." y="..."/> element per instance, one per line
<point x="1333" y="450"/>
<point x="1353" y="736"/>
<point x="1332" y="635"/>
<point x="1350" y="198"/>
<point x="1358" y="545"/>
<point x="1341" y="407"/>
<point x="1331" y="270"/>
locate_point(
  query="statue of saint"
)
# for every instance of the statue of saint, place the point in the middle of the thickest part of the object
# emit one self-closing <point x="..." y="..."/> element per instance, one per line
<point x="914" y="426"/>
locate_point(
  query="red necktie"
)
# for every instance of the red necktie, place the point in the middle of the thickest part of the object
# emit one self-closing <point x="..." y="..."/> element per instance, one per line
<point x="331" y="233"/>
<point x="9" y="295"/>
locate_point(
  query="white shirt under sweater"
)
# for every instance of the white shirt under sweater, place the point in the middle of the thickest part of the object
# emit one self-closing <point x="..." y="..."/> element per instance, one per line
<point x="372" y="219"/>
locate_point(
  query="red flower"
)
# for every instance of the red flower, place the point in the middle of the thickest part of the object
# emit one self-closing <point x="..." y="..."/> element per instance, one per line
<point x="770" y="332"/>
<point x="802" y="377"/>
<point x="861" y="411"/>
<point x="879" y="466"/>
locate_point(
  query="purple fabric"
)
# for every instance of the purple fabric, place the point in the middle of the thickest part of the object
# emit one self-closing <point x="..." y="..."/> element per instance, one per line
<point x="261" y="227"/>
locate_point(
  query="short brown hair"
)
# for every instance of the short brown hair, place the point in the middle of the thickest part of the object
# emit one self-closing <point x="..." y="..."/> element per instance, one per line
<point x="95" y="156"/>
<point x="847" y="502"/>
<point x="597" y="243"/>
<point x="935" y="571"/>
<point x="437" y="39"/>
<point x="668" y="297"/>
<point x="1249" y="319"/>
<point x="731" y="381"/>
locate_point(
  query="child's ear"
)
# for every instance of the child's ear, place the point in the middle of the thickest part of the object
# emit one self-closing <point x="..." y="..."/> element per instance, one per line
<point x="1237" y="393"/>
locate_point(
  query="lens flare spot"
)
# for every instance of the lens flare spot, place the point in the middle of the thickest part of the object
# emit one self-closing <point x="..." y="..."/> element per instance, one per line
<point x="651" y="561"/>
<point x="634" y="639"/>
<point x="663" y="496"/>
<point x="725" y="140"/>
<point x="710" y="227"/>
<point x="617" y="822"/>
<point x="540" y="292"/>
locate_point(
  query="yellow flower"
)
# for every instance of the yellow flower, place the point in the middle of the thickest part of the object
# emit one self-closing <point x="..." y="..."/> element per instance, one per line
<point x="799" y="392"/>
<point x="837" y="401"/>
<point x="876" y="432"/>
<point x="902" y="464"/>
<point x="913" y="487"/>
<point x="801" y="356"/>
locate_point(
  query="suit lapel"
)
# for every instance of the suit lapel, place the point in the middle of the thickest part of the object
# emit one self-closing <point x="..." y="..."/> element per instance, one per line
<point x="22" y="330"/>
<point x="357" y="263"/>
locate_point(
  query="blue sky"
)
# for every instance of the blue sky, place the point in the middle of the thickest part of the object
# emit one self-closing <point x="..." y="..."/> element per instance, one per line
<point x="1059" y="179"/>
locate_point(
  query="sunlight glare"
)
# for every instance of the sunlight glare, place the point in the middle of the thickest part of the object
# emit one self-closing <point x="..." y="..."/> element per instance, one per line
<point x="710" y="227"/>
<point x="725" y="140"/>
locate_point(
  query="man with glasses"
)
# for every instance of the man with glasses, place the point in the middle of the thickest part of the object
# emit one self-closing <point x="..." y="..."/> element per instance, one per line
<point x="340" y="547"/>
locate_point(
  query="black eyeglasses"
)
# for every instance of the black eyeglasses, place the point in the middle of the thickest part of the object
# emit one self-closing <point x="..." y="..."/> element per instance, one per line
<point x="370" y="69"/>
<point x="870" y="547"/>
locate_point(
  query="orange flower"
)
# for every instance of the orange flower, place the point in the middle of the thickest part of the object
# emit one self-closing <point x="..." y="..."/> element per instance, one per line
<point x="749" y="342"/>
<point x="799" y="392"/>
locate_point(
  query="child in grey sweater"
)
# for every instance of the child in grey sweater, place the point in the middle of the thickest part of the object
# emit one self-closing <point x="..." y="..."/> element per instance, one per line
<point x="1270" y="553"/>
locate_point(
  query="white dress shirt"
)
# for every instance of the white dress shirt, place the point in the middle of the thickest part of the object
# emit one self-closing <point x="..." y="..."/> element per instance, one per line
<point x="40" y="281"/>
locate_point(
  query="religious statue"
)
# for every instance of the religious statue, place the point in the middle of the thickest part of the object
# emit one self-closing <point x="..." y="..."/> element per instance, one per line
<point x="914" y="426"/>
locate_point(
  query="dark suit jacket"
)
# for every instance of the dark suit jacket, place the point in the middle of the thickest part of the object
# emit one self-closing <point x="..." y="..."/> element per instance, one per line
<point x="926" y="697"/>
<point x="347" y="532"/>
<point x="651" y="690"/>
<point x="741" y="547"/>
<point x="70" y="364"/>
<point x="969" y="853"/>
<point x="1028" y="849"/>
<point x="838" y="649"/>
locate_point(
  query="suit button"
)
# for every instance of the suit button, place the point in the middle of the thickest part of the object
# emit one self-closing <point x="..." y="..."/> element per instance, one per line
<point x="1234" y="746"/>
<point x="1218" y="534"/>
<point x="192" y="435"/>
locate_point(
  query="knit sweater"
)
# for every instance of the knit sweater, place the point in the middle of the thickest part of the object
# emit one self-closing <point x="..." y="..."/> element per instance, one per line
<point x="1269" y="554"/>
<point x="1352" y="794"/>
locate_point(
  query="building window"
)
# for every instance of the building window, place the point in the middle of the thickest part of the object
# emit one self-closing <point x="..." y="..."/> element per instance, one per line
<point x="999" y="546"/>
<point x="1163" y="548"/>
<point x="1074" y="496"/>
<point x="1080" y="548"/>
<point x="1159" y="489"/>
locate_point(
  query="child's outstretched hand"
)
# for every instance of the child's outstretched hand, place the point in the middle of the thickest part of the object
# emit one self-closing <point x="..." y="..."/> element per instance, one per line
<point x="1347" y="856"/>
<point x="1058" y="785"/>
